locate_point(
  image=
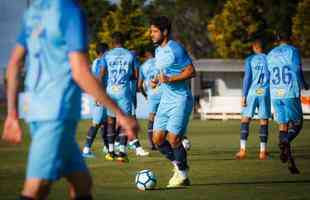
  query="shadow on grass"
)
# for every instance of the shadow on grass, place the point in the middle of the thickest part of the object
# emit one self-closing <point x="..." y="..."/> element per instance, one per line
<point x="252" y="183"/>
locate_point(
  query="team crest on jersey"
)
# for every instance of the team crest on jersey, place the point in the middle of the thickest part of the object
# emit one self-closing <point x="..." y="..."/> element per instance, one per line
<point x="280" y="92"/>
<point x="260" y="91"/>
<point x="116" y="88"/>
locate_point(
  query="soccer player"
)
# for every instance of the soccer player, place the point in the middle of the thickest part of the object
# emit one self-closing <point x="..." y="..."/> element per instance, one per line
<point x="286" y="82"/>
<point x="99" y="114"/>
<point x="172" y="117"/>
<point x="120" y="67"/>
<point x="53" y="37"/>
<point x="150" y="90"/>
<point x="255" y="95"/>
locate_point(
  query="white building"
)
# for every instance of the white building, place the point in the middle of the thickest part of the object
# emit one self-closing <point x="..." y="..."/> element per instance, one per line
<point x="219" y="84"/>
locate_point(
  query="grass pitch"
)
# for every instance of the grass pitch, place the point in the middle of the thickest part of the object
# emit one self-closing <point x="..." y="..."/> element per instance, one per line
<point x="215" y="174"/>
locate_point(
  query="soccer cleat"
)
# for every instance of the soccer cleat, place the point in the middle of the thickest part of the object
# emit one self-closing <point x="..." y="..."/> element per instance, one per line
<point x="285" y="151"/>
<point x="241" y="154"/>
<point x="110" y="156"/>
<point x="141" y="152"/>
<point x="263" y="155"/>
<point x="122" y="157"/>
<point x="88" y="155"/>
<point x="174" y="176"/>
<point x="179" y="181"/>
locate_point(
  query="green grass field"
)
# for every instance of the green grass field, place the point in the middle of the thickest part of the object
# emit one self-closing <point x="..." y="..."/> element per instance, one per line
<point x="214" y="172"/>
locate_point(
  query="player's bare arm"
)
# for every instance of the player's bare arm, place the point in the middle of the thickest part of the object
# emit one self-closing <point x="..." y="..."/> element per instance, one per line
<point x="187" y="73"/>
<point x="141" y="88"/>
<point x="12" y="132"/>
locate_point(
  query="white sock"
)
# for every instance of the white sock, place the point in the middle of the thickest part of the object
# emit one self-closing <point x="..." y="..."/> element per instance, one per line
<point x="263" y="146"/>
<point x="174" y="163"/>
<point x="111" y="147"/>
<point x="139" y="149"/>
<point x="183" y="174"/>
<point x="122" y="148"/>
<point x="242" y="144"/>
<point x="86" y="150"/>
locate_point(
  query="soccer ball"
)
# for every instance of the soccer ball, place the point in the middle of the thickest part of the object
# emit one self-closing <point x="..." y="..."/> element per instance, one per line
<point x="145" y="180"/>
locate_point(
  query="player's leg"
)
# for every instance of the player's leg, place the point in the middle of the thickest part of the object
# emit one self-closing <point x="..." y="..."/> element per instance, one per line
<point x="79" y="190"/>
<point x="111" y="135"/>
<point x="246" y="114"/>
<point x="35" y="189"/>
<point x="264" y="113"/>
<point x="103" y="131"/>
<point x="122" y="151"/>
<point x="150" y="130"/>
<point x="263" y="135"/>
<point x="295" y="117"/>
<point x="91" y="135"/>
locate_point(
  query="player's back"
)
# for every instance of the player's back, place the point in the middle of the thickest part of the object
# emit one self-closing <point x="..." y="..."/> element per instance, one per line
<point x="119" y="64"/>
<point x="284" y="67"/>
<point x="259" y="73"/>
<point x="149" y="72"/>
<point x="51" y="92"/>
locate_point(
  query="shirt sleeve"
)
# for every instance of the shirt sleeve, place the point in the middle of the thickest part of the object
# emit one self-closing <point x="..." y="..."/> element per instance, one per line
<point x="76" y="30"/>
<point x="141" y="74"/>
<point x="136" y="62"/>
<point x="103" y="63"/>
<point x="247" y="77"/>
<point x="181" y="56"/>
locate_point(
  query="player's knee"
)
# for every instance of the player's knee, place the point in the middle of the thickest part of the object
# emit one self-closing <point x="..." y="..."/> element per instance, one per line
<point x="264" y="122"/>
<point x="80" y="184"/>
<point x="158" y="138"/>
<point x="174" y="140"/>
<point x="151" y="117"/>
<point x="36" y="188"/>
<point x="245" y="120"/>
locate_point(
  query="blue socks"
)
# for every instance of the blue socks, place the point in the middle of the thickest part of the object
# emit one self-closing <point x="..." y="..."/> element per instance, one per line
<point x="244" y="131"/>
<point x="293" y="131"/>
<point x="263" y="133"/>
<point x="166" y="149"/>
<point x="92" y="132"/>
<point x="180" y="157"/>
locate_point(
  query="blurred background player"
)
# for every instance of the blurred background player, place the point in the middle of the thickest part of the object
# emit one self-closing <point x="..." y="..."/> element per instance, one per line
<point x="176" y="102"/>
<point x="119" y="66"/>
<point x="99" y="115"/>
<point x="286" y="82"/>
<point x="56" y="48"/>
<point x="150" y="89"/>
<point x="255" y="95"/>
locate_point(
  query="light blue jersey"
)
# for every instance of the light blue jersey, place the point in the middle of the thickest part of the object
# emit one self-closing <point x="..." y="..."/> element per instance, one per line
<point x="284" y="64"/>
<point x="99" y="112"/>
<point x="120" y="65"/>
<point x="256" y="79"/>
<point x="286" y="80"/>
<point x="256" y="87"/>
<point x="50" y="30"/>
<point x="148" y="72"/>
<point x="176" y="101"/>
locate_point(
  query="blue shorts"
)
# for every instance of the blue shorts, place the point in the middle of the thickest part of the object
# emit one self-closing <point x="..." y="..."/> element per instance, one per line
<point x="125" y="105"/>
<point x="173" y="116"/>
<point x="153" y="105"/>
<point x="54" y="151"/>
<point x="99" y="114"/>
<point x="287" y="110"/>
<point x="262" y="103"/>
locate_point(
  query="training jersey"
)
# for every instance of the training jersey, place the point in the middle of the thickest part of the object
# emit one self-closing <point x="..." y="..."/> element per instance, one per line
<point x="284" y="64"/>
<point x="120" y="64"/>
<point x="51" y="29"/>
<point x="171" y="60"/>
<point x="148" y="72"/>
<point x="96" y="69"/>
<point x="256" y="77"/>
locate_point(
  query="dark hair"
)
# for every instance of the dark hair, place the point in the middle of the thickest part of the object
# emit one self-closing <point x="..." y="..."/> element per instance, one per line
<point x="162" y="23"/>
<point x="101" y="48"/>
<point x="283" y="33"/>
<point x="148" y="48"/>
<point x="118" y="38"/>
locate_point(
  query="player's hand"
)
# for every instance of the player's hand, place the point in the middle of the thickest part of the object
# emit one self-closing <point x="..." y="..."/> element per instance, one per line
<point x="243" y="102"/>
<point x="154" y="83"/>
<point x="163" y="78"/>
<point x="130" y="125"/>
<point x="12" y="132"/>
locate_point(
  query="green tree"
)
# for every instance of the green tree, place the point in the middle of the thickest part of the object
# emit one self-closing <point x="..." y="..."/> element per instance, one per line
<point x="231" y="29"/>
<point x="301" y="27"/>
<point x="128" y="19"/>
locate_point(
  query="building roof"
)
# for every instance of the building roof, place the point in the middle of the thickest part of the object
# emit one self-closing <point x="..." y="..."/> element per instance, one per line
<point x="231" y="65"/>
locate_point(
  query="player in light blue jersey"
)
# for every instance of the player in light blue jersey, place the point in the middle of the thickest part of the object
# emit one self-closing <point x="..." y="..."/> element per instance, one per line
<point x="119" y="66"/>
<point x="255" y="95"/>
<point x="150" y="90"/>
<point x="53" y="37"/>
<point x="286" y="82"/>
<point x="172" y="117"/>
<point x="99" y="114"/>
